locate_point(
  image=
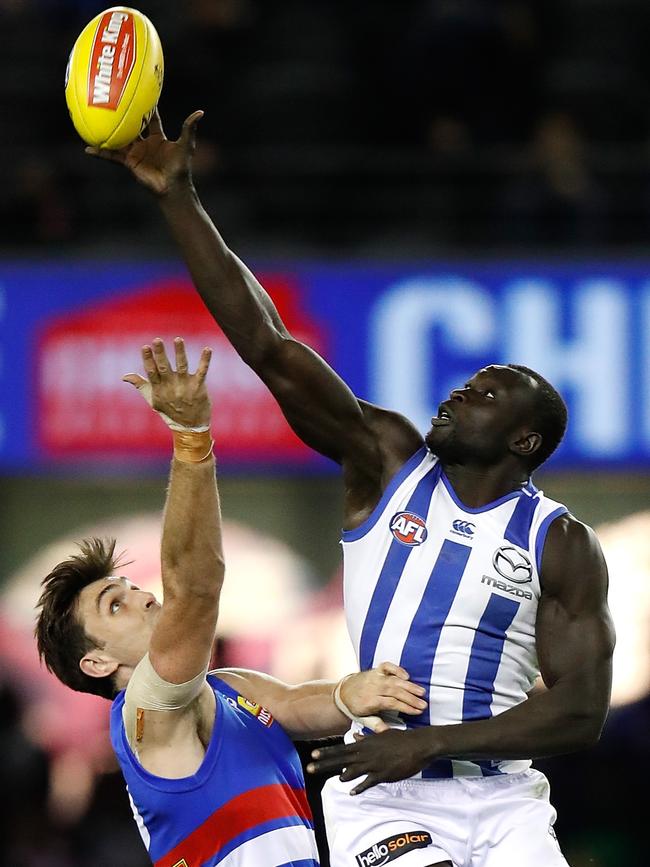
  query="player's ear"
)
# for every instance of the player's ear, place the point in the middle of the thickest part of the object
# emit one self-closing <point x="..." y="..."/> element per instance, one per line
<point x="97" y="664"/>
<point x="526" y="443"/>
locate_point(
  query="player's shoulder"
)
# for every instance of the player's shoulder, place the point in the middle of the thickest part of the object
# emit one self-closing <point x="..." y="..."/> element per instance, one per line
<point x="571" y="548"/>
<point x="396" y="435"/>
<point x="568" y="531"/>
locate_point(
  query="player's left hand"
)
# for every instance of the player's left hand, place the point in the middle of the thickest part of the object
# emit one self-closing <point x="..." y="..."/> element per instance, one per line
<point x="384" y="688"/>
<point x="179" y="396"/>
<point x="383" y="758"/>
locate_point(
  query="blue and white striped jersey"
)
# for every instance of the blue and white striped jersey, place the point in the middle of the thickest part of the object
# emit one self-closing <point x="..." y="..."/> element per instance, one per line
<point x="450" y="593"/>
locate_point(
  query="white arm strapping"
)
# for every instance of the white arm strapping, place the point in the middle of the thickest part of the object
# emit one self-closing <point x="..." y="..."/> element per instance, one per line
<point x="147" y="690"/>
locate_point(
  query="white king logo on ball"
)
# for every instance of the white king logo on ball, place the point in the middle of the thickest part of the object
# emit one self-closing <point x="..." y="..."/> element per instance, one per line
<point x="112" y="59"/>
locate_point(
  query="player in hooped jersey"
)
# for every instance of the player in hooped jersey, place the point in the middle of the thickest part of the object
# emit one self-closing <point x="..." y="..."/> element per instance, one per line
<point x="211" y="773"/>
<point x="456" y="567"/>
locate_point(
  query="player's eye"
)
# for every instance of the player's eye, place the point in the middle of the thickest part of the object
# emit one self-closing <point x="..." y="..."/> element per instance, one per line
<point x="114" y="606"/>
<point x="490" y="394"/>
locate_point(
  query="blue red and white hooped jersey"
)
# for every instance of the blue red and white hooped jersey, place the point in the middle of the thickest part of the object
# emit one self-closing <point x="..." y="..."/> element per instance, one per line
<point x="451" y="594"/>
<point x="245" y="805"/>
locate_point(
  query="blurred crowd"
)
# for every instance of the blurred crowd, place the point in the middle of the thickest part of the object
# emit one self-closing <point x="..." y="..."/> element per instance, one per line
<point x="336" y="126"/>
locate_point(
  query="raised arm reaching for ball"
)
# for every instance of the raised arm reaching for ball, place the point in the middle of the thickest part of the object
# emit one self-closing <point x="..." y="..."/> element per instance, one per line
<point x="419" y="592"/>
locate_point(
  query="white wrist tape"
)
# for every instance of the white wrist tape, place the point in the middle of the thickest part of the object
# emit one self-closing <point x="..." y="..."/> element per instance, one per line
<point x="369" y="722"/>
<point x="146" y="391"/>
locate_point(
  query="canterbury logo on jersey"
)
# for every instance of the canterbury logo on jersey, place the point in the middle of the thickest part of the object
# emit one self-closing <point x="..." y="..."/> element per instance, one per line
<point x="392" y="847"/>
<point x="408" y="528"/>
<point x="463" y="528"/>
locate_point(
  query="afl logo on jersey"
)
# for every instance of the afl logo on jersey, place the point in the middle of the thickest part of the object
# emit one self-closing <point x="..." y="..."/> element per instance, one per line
<point x="408" y="528"/>
<point x="512" y="565"/>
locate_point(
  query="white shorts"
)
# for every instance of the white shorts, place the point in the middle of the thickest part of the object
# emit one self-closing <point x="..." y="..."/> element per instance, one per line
<point x="501" y="821"/>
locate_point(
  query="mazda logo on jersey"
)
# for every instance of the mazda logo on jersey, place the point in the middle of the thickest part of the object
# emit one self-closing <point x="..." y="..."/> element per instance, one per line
<point x="512" y="565"/>
<point x="408" y="528"/>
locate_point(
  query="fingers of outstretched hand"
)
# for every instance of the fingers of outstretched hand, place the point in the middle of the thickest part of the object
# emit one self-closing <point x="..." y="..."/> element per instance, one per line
<point x="331" y="759"/>
<point x="181" y="355"/>
<point x="188" y="132"/>
<point x="404" y="703"/>
<point x="149" y="363"/>
<point x="391" y="668"/>
<point x="134" y="379"/>
<point x="204" y="364"/>
<point x="155" y="124"/>
<point x="160" y="356"/>
<point x="367" y="783"/>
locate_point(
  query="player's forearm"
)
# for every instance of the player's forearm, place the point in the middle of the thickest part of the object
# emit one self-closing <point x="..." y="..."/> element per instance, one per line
<point x="549" y="723"/>
<point x="230" y="291"/>
<point x="308" y="711"/>
<point x="191" y="548"/>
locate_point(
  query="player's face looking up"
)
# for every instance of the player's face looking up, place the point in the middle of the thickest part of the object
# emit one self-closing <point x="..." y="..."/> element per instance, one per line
<point x="487" y="419"/>
<point x="119" y="618"/>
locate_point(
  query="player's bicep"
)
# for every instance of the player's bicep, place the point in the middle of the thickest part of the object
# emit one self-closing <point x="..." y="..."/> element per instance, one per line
<point x="317" y="403"/>
<point x="182" y="639"/>
<point x="257" y="687"/>
<point x="575" y="635"/>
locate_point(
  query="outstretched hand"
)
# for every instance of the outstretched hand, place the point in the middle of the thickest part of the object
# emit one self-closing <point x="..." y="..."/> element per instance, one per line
<point x="384" y="688"/>
<point x="383" y="758"/>
<point x="178" y="394"/>
<point x="158" y="163"/>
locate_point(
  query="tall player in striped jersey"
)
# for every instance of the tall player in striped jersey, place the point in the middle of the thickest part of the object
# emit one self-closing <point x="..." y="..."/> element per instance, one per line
<point x="211" y="775"/>
<point x="456" y="567"/>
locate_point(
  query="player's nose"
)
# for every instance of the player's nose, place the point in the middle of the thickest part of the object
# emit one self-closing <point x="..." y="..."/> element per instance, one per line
<point x="148" y="600"/>
<point x="457" y="394"/>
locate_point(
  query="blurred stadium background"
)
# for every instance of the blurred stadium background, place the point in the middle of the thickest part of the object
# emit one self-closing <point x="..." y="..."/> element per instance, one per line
<point x="425" y="186"/>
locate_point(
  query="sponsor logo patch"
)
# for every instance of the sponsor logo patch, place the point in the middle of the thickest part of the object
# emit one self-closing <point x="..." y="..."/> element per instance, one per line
<point x="463" y="528"/>
<point x="498" y="584"/>
<point x="408" y="528"/>
<point x="392" y="847"/>
<point x="512" y="564"/>
<point x="261" y="713"/>
<point x="111" y="60"/>
<point x="181" y="863"/>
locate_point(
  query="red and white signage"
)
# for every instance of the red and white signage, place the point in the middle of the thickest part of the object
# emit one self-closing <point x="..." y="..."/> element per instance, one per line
<point x="84" y="408"/>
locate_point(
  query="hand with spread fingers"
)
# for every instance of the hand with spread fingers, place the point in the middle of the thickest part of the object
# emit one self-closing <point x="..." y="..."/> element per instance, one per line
<point x="157" y="162"/>
<point x="383" y="758"/>
<point x="384" y="688"/>
<point x="179" y="396"/>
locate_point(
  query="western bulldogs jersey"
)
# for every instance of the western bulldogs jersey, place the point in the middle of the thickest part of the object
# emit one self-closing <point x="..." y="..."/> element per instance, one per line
<point x="450" y="593"/>
<point x="245" y="805"/>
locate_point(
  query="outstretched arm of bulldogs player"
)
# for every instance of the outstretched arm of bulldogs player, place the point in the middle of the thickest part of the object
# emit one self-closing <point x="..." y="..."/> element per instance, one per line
<point x="370" y="443"/>
<point x="575" y="644"/>
<point x="308" y="710"/>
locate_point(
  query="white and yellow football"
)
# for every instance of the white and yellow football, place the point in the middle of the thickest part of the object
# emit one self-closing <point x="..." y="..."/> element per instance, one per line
<point x="114" y="77"/>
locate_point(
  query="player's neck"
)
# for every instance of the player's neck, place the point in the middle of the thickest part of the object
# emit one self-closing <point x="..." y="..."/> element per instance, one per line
<point x="475" y="486"/>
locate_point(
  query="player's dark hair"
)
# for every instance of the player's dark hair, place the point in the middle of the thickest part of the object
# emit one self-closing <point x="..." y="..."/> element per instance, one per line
<point x="550" y="416"/>
<point x="61" y="639"/>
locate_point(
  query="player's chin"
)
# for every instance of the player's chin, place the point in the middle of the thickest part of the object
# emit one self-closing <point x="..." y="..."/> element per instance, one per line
<point x="436" y="437"/>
